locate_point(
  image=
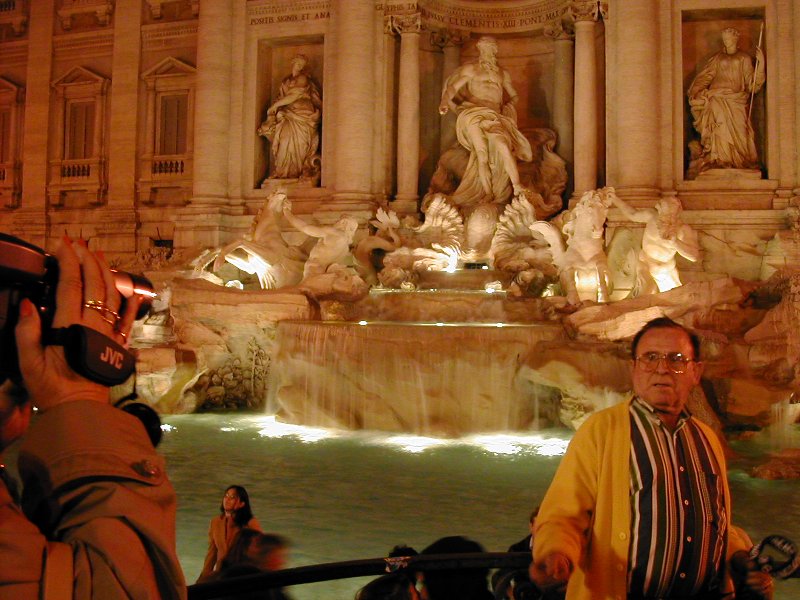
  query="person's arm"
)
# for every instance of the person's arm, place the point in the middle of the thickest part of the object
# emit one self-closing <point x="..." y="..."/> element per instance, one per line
<point x="686" y="243"/>
<point x="254" y="524"/>
<point x="290" y="95"/>
<point x="458" y="78"/>
<point x="94" y="481"/>
<point x="92" y="478"/>
<point x="21" y="548"/>
<point x="302" y="226"/>
<point x="637" y="216"/>
<point x="564" y="521"/>
<point x="699" y="86"/>
<point x="211" y="556"/>
<point x="760" y="71"/>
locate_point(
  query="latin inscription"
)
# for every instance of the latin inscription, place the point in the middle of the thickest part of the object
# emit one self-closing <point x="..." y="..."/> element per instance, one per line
<point x="290" y="18"/>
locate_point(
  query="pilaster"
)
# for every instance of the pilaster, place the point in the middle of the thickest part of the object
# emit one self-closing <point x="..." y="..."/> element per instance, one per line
<point x="586" y="13"/>
<point x="408" y="26"/>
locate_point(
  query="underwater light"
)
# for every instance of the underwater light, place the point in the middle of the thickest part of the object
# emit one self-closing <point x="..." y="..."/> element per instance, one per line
<point x="362" y="322"/>
<point x="274" y="429"/>
<point x="415" y="443"/>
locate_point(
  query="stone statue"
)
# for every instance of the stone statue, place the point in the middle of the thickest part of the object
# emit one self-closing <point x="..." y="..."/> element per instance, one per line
<point x="720" y="97"/>
<point x="582" y="263"/>
<point x="293" y="125"/>
<point x="482" y="95"/>
<point x="407" y="250"/>
<point x="333" y="242"/>
<point x="665" y="235"/>
<point x="517" y="250"/>
<point x="262" y="251"/>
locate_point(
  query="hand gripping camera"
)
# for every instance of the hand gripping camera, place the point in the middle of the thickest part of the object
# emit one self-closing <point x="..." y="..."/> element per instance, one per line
<point x="27" y="271"/>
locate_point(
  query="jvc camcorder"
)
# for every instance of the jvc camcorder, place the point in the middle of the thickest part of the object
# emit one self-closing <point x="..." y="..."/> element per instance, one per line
<point x="27" y="271"/>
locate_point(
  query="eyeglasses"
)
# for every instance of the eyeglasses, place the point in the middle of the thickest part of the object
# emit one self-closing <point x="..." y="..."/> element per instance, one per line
<point x="232" y="496"/>
<point x="675" y="361"/>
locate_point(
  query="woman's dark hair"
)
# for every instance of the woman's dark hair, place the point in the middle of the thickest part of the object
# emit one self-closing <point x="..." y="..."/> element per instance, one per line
<point x="387" y="587"/>
<point x="243" y="515"/>
<point x="449" y="584"/>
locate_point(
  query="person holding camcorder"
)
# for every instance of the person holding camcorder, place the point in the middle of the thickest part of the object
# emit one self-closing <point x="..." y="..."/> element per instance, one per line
<point x="97" y="512"/>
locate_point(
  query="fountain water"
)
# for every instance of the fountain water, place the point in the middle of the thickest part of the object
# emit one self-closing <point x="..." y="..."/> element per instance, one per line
<point x="785" y="416"/>
<point x="436" y="378"/>
<point x="350" y="495"/>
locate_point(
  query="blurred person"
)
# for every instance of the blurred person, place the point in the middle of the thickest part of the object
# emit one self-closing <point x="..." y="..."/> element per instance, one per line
<point x="235" y="514"/>
<point x="520" y="587"/>
<point x="252" y="552"/>
<point x="97" y="514"/>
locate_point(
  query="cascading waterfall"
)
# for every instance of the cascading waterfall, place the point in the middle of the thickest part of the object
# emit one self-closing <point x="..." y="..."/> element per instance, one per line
<point x="422" y="378"/>
<point x="785" y="415"/>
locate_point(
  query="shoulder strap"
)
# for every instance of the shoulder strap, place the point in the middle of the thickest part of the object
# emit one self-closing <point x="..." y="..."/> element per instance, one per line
<point x="58" y="577"/>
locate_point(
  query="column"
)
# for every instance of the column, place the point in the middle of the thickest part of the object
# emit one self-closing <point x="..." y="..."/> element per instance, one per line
<point x="408" y="26"/>
<point x="353" y="71"/>
<point x="117" y="224"/>
<point x="637" y="88"/>
<point x="30" y="220"/>
<point x="212" y="102"/>
<point x="563" y="89"/>
<point x="209" y="220"/>
<point x="450" y="41"/>
<point x="585" y="13"/>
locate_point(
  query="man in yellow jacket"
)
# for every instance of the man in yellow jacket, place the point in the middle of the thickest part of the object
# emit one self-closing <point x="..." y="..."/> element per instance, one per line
<point x="640" y="506"/>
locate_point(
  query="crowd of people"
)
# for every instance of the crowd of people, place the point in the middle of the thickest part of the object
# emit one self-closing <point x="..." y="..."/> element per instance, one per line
<point x="638" y="508"/>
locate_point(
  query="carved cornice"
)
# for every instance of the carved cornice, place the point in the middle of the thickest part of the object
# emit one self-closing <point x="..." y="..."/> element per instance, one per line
<point x="585" y="10"/>
<point x="14" y="54"/>
<point x="277" y="12"/>
<point x="155" y="7"/>
<point x="101" y="9"/>
<point x="491" y="17"/>
<point x="443" y="38"/>
<point x="179" y="34"/>
<point x="558" y="30"/>
<point x="76" y="46"/>
<point x="403" y="23"/>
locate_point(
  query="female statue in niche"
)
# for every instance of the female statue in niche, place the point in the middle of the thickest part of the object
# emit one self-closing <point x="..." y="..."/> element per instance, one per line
<point x="720" y="98"/>
<point x="293" y="125"/>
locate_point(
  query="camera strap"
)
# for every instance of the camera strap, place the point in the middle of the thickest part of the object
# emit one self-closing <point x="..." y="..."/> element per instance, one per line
<point x="92" y="354"/>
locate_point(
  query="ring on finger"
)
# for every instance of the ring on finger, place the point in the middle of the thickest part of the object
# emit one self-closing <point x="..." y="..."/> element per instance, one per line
<point x="108" y="315"/>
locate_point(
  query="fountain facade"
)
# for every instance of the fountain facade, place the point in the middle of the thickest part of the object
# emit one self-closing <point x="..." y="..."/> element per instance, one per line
<point x="274" y="165"/>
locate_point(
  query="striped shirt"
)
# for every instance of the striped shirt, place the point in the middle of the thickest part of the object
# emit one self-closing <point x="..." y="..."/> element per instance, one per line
<point x="678" y="521"/>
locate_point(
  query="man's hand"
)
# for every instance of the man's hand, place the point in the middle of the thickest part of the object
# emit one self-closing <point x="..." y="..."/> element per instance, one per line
<point x="552" y="572"/>
<point x="748" y="576"/>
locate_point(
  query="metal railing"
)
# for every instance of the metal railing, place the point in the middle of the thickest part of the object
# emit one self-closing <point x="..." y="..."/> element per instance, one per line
<point x="357" y="568"/>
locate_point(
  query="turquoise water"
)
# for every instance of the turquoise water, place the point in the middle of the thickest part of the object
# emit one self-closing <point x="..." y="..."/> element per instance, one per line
<point x="344" y="496"/>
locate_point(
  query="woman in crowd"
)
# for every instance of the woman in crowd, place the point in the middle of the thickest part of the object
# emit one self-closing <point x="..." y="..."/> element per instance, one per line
<point x="235" y="515"/>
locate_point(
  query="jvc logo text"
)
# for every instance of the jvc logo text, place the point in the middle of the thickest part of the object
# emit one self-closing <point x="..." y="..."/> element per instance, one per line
<point x="112" y="357"/>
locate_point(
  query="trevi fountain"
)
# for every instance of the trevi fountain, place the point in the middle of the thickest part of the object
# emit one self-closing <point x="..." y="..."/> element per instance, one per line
<point x="438" y="218"/>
